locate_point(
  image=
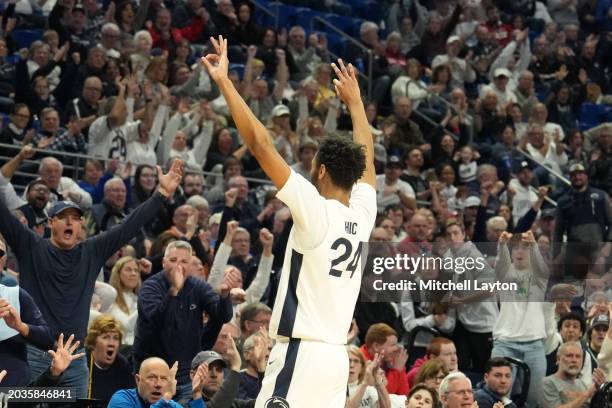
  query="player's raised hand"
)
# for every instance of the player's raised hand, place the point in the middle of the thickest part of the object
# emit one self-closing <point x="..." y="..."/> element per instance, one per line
<point x="2" y="375"/>
<point x="217" y="64"/>
<point x="347" y="87"/>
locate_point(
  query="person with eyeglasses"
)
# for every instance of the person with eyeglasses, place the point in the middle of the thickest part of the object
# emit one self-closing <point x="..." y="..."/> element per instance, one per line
<point x="431" y="374"/>
<point x="456" y="392"/>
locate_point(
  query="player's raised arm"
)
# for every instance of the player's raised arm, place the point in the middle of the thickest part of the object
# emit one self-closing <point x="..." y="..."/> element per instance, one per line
<point x="253" y="132"/>
<point x="348" y="91"/>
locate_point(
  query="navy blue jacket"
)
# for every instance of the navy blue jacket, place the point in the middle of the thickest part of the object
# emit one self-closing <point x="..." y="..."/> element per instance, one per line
<point x="486" y="398"/>
<point x="171" y="327"/>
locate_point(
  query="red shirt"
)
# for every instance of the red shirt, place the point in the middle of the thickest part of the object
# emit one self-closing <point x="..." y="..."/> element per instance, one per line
<point x="397" y="381"/>
<point x="501" y="32"/>
<point x="190" y="32"/>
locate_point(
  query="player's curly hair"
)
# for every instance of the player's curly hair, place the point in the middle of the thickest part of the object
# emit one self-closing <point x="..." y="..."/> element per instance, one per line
<point x="343" y="159"/>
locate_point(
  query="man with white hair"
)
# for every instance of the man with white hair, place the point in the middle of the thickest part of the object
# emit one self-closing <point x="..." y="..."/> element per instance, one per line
<point x="110" y="38"/>
<point x="456" y="391"/>
<point x="110" y="211"/>
<point x="61" y="188"/>
<point x="305" y="57"/>
<point x="564" y="388"/>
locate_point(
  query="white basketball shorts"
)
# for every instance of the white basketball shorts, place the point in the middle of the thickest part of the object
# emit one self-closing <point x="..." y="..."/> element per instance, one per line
<point x="305" y="374"/>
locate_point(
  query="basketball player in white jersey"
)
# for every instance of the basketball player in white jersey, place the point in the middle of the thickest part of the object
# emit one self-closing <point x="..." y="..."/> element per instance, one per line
<point x="333" y="217"/>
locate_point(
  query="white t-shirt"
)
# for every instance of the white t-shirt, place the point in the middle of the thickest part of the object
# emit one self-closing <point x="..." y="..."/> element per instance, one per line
<point x="370" y="396"/>
<point x="386" y="196"/>
<point x="523" y="199"/>
<point x="111" y="143"/>
<point x="321" y="274"/>
<point x="467" y="172"/>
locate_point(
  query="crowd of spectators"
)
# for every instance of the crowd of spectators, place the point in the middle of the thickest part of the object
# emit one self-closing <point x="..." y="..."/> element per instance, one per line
<point x="163" y="278"/>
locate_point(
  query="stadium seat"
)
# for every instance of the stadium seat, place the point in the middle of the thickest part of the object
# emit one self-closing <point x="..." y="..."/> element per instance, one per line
<point x="26" y="37"/>
<point x="603" y="397"/>
<point x="520" y="389"/>
<point x="370" y="10"/>
<point x="341" y="22"/>
<point x="414" y="343"/>
<point x="303" y="16"/>
<point x="354" y="30"/>
<point x="592" y="115"/>
<point x="238" y="68"/>
<point x="285" y="15"/>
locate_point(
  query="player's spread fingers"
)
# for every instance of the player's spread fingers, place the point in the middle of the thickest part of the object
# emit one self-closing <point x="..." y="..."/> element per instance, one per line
<point x="336" y="70"/>
<point x="343" y="67"/>
<point x="351" y="69"/>
<point x="215" y="44"/>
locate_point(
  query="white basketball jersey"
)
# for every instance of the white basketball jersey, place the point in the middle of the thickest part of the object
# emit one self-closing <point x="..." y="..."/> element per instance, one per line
<point x="321" y="275"/>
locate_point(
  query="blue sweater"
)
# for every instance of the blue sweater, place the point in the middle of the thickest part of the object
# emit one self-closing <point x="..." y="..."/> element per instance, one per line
<point x="61" y="282"/>
<point x="171" y="327"/>
<point x="131" y="399"/>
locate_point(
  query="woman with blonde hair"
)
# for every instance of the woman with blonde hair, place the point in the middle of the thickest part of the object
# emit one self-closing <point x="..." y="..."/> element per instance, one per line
<point x="109" y="371"/>
<point x="367" y="385"/>
<point x="125" y="278"/>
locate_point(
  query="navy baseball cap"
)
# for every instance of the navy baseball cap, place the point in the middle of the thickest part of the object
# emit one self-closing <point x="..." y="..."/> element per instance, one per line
<point x="61" y="206"/>
<point x="522" y="165"/>
<point x="206" y="357"/>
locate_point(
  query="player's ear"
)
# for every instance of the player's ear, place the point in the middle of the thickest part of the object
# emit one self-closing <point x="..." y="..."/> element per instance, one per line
<point x="322" y="171"/>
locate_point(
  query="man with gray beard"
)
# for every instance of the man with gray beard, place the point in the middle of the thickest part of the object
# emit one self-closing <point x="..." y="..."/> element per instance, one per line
<point x="564" y="388"/>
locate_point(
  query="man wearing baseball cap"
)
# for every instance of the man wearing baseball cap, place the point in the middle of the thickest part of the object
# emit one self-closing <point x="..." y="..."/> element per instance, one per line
<point x="221" y="387"/>
<point x="499" y="85"/>
<point x="461" y="70"/>
<point x="596" y="336"/>
<point x="583" y="213"/>
<point x="390" y="189"/>
<point x="519" y="190"/>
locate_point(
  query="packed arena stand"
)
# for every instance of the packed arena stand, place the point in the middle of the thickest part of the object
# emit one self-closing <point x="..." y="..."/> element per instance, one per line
<point x="120" y="164"/>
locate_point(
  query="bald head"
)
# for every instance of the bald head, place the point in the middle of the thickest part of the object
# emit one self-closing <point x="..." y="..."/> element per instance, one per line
<point x="153" y="363"/>
<point x="152" y="379"/>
